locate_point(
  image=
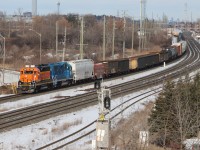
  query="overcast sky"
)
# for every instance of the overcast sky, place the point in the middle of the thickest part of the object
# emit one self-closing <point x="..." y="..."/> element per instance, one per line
<point x="172" y="8"/>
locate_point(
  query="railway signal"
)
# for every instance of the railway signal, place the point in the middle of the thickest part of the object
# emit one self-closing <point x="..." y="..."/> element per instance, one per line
<point x="103" y="121"/>
<point x="107" y="102"/>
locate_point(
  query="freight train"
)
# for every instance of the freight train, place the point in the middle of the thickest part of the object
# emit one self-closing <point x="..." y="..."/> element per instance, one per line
<point x="33" y="78"/>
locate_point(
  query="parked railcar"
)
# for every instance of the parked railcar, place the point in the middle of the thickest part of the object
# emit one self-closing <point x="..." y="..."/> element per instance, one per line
<point x="82" y="69"/>
<point x="148" y="60"/>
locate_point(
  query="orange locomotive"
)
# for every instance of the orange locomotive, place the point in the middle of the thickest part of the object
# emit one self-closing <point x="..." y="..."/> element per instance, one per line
<point x="32" y="78"/>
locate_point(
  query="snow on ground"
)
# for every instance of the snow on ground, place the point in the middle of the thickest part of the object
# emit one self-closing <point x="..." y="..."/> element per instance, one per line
<point x="44" y="132"/>
<point x="39" y="134"/>
<point x="76" y="91"/>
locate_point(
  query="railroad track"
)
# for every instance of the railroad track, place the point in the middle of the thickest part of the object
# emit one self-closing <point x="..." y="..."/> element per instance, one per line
<point x="73" y="138"/>
<point x="54" y="145"/>
<point x="29" y="115"/>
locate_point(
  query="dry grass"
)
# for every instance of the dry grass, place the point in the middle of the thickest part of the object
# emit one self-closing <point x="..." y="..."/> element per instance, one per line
<point x="6" y="89"/>
<point x="65" y="126"/>
<point x="20" y="147"/>
<point x="126" y="135"/>
<point x="3" y="109"/>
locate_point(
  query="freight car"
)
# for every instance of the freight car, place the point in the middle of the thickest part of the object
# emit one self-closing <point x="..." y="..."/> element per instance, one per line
<point x="82" y="69"/>
<point x="148" y="61"/>
<point x="117" y="66"/>
<point x="172" y="53"/>
<point x="178" y="47"/>
<point x="111" y="67"/>
<point x="33" y="78"/>
<point x="100" y="70"/>
<point x="163" y="56"/>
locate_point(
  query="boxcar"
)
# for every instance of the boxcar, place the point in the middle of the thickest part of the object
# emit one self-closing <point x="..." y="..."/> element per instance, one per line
<point x="117" y="66"/>
<point x="184" y="46"/>
<point x="163" y="56"/>
<point x="82" y="69"/>
<point x="148" y="60"/>
<point x="178" y="48"/>
<point x="100" y="70"/>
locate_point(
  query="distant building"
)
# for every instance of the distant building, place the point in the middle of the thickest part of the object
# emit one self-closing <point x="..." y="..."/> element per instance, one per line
<point x="34" y="7"/>
<point x="27" y="14"/>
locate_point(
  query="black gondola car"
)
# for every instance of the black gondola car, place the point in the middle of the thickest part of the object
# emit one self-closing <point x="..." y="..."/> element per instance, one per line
<point x="148" y="60"/>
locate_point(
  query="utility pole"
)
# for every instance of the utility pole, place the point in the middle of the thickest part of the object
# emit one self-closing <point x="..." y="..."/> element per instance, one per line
<point x="58" y="5"/>
<point x="141" y="17"/>
<point x="142" y="24"/>
<point x="113" y="45"/>
<point x="186" y="13"/>
<point x="133" y="30"/>
<point x="124" y="35"/>
<point x="4" y="56"/>
<point x="103" y="122"/>
<point x="40" y="36"/>
<point x="56" y="38"/>
<point x="104" y="37"/>
<point x="81" y="39"/>
<point x="63" y="58"/>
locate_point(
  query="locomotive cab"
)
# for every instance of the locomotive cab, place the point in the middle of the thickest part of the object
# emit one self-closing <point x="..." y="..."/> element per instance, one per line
<point x="32" y="78"/>
<point x="29" y="75"/>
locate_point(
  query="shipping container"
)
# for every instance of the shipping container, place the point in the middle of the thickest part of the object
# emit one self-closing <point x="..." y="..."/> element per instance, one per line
<point x="82" y="69"/>
<point x="148" y="60"/>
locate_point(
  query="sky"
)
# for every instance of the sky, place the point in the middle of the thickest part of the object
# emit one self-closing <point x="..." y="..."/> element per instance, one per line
<point x="154" y="8"/>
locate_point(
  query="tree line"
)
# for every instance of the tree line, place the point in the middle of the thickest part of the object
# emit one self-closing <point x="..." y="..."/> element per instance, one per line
<point x="176" y="114"/>
<point x="22" y="45"/>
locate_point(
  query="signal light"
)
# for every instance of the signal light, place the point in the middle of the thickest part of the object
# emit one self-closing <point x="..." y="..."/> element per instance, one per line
<point x="107" y="102"/>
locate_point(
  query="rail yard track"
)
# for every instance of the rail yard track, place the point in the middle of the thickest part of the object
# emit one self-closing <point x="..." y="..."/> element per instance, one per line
<point x="67" y="140"/>
<point x="28" y="115"/>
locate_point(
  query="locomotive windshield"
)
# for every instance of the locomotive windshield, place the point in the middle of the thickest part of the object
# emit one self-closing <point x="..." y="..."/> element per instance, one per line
<point x="28" y="72"/>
